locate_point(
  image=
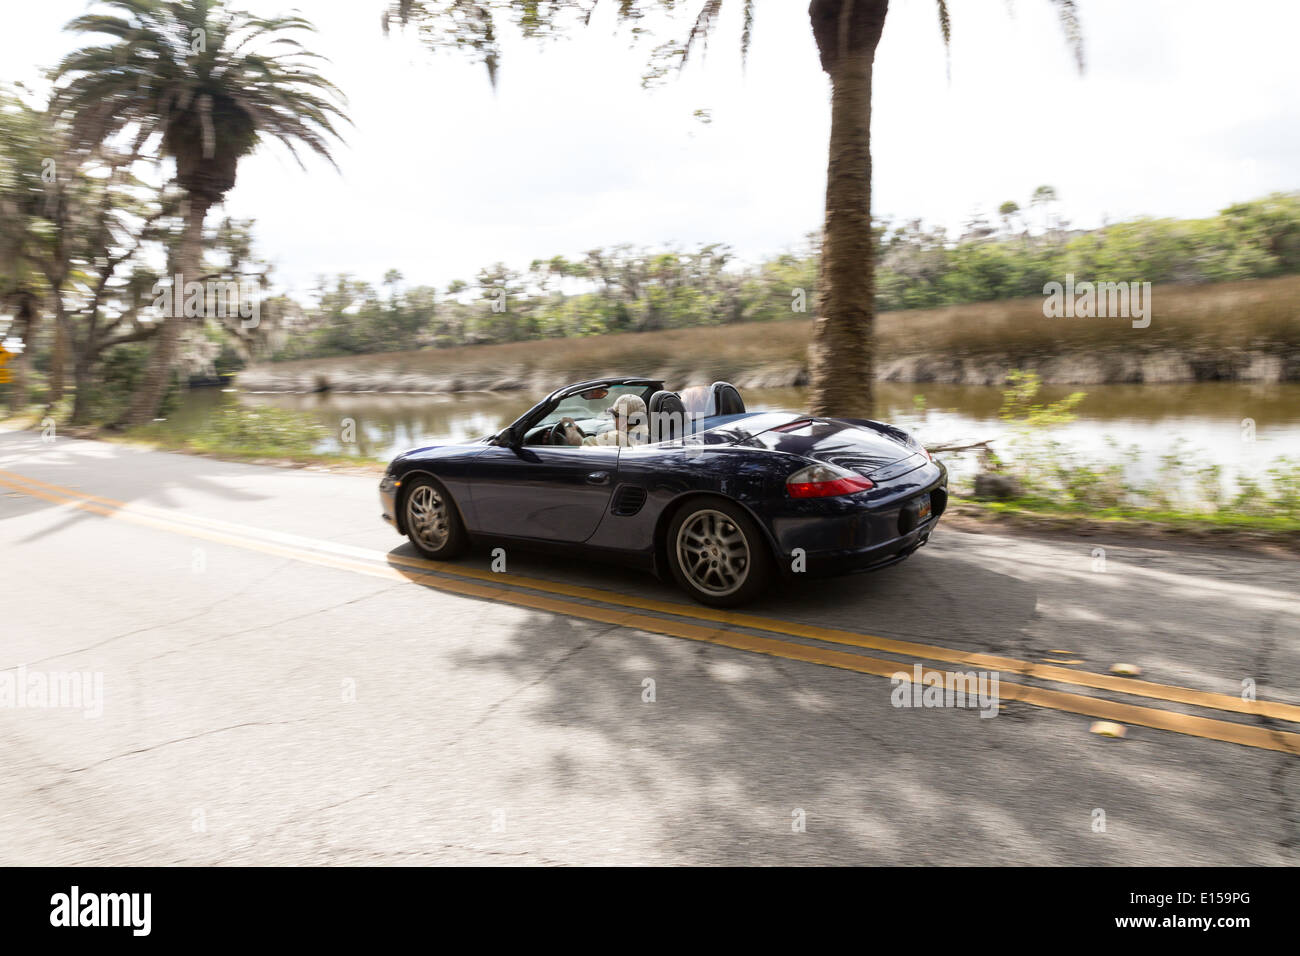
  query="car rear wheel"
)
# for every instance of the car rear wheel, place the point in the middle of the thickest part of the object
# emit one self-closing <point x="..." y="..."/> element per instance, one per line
<point x="432" y="522"/>
<point x="717" y="554"/>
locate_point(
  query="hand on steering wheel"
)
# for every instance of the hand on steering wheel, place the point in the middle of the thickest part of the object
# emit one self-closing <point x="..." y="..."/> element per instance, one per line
<point x="559" y="432"/>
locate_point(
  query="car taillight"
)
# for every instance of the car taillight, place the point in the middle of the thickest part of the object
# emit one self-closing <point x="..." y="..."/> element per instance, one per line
<point x="823" y="481"/>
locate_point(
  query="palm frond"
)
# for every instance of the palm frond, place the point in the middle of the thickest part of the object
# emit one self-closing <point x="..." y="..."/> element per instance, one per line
<point x="945" y="27"/>
<point x="746" y="31"/>
<point x="701" y="28"/>
<point x="1068" y="12"/>
<point x="250" y="80"/>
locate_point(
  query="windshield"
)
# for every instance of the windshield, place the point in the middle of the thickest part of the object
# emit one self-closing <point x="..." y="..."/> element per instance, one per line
<point x="592" y="404"/>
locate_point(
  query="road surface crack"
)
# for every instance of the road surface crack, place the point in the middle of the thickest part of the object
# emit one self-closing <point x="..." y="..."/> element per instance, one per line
<point x="551" y="669"/>
<point x="208" y="609"/>
<point x="262" y="627"/>
<point x="1288" y="808"/>
<point x="181" y="740"/>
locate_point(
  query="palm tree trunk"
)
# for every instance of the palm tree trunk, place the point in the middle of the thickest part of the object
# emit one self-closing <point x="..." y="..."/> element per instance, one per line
<point x="843" y="359"/>
<point x="59" y="358"/>
<point x="27" y="319"/>
<point x="149" y="396"/>
<point x="81" y="376"/>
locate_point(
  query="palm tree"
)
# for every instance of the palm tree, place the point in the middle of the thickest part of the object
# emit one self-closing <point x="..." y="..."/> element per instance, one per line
<point x="1007" y="212"/>
<point x="846" y="33"/>
<point x="24" y="144"/>
<point x="1042" y="199"/>
<point x="204" y="85"/>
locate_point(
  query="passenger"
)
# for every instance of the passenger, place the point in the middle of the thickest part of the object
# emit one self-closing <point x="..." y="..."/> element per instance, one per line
<point x="698" y="401"/>
<point x="630" y="424"/>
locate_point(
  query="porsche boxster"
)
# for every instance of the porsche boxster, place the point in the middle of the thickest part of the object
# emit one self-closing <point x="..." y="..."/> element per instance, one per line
<point x="687" y="484"/>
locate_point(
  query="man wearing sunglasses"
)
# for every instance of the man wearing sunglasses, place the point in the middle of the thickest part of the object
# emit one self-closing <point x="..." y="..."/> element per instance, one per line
<point x="630" y="424"/>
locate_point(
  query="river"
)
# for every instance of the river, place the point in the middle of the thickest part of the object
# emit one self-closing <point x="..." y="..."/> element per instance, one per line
<point x="1242" y="427"/>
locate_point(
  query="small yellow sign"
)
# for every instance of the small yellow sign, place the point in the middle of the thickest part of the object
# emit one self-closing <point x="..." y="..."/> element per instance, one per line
<point x="6" y="376"/>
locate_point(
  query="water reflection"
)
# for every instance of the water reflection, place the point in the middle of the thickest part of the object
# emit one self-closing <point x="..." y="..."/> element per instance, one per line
<point x="1135" y="423"/>
<point x="386" y="424"/>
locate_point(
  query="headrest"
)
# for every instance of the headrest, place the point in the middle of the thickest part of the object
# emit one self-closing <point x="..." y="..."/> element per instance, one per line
<point x="667" y="416"/>
<point x="726" y="399"/>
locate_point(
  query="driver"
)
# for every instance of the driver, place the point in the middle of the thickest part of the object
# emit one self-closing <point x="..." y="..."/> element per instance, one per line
<point x="629" y="414"/>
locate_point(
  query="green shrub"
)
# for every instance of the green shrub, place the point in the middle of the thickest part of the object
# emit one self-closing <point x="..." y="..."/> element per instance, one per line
<point x="258" y="431"/>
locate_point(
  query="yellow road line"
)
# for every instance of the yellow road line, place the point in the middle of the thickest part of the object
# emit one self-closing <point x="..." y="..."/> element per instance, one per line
<point x="1048" y="672"/>
<point x="1226" y="731"/>
<point x="1125" y="685"/>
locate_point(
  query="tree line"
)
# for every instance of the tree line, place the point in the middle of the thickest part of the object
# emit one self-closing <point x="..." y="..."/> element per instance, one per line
<point x="627" y="289"/>
<point x="194" y="86"/>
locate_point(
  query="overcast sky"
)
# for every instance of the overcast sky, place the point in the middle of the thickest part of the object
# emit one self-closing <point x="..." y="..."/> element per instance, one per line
<point x="1185" y="106"/>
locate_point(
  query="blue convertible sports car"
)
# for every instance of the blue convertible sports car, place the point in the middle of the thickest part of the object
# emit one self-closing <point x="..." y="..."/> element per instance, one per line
<point x="687" y="484"/>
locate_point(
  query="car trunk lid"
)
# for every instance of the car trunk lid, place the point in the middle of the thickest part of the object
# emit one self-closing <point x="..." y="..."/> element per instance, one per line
<point x="873" y="449"/>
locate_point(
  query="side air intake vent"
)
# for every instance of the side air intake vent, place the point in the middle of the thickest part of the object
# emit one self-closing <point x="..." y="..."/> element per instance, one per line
<point x="628" y="500"/>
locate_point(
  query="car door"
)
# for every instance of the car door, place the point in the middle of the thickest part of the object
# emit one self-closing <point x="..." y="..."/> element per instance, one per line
<point x="558" y="493"/>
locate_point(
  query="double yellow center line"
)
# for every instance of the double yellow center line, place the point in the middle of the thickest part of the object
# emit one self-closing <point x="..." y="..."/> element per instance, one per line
<point x="710" y="626"/>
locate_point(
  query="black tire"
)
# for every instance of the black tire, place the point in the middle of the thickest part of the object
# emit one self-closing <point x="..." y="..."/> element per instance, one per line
<point x="716" y="577"/>
<point x="442" y="536"/>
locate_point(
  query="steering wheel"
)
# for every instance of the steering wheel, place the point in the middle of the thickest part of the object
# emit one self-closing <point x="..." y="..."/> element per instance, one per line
<point x="557" y="436"/>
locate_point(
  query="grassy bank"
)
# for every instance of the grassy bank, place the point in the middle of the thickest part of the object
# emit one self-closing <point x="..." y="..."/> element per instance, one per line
<point x="1089" y="499"/>
<point x="267" y="436"/>
<point x="1248" y="331"/>
<point x="1276" y="533"/>
<point x="238" y="433"/>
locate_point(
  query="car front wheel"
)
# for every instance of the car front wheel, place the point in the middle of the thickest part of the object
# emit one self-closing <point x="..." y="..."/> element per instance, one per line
<point x="432" y="522"/>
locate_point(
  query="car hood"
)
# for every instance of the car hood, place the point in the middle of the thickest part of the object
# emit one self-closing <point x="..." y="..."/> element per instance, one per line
<point x="863" y="446"/>
<point x="441" y="449"/>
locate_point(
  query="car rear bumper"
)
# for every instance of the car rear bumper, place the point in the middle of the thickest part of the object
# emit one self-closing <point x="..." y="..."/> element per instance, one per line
<point x="859" y="534"/>
<point x="831" y="563"/>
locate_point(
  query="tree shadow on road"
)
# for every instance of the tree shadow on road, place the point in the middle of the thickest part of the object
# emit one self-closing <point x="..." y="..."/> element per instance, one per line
<point x="737" y="746"/>
<point x="118" y="474"/>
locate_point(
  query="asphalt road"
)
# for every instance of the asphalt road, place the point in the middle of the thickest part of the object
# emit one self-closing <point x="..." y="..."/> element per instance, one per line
<point x="284" y="682"/>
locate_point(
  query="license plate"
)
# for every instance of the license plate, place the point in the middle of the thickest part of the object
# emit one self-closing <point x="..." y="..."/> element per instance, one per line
<point x="922" y="508"/>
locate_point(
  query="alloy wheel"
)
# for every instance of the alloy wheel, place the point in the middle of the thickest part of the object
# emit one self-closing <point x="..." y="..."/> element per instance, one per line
<point x="426" y="517"/>
<point x="713" y="553"/>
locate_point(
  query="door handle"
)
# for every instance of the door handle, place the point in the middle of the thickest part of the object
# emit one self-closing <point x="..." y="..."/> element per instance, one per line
<point x="598" y="478"/>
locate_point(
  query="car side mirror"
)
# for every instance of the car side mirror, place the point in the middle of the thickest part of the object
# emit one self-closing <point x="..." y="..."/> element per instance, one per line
<point x="507" y="437"/>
